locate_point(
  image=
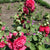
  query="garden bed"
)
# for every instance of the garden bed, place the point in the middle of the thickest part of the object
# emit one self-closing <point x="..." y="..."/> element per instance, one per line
<point x="29" y="26"/>
<point x="43" y="3"/>
<point x="6" y="14"/>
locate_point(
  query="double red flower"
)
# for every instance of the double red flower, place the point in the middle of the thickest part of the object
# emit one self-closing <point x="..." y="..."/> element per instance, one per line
<point x="44" y="28"/>
<point x="29" y="5"/>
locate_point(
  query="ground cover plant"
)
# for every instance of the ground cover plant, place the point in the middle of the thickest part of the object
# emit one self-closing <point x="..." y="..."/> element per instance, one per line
<point x="26" y="35"/>
<point x="10" y="1"/>
<point x="43" y="3"/>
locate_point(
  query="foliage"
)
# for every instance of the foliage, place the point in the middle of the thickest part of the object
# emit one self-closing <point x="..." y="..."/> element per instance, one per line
<point x="26" y="33"/>
<point x="8" y="1"/>
<point x="43" y="3"/>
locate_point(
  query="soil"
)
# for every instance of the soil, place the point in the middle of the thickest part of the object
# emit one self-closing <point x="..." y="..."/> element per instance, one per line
<point x="5" y="15"/>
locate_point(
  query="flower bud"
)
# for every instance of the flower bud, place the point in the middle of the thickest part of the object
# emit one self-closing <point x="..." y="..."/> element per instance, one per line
<point x="16" y="16"/>
<point x="44" y="24"/>
<point x="47" y="16"/>
<point x="1" y="23"/>
<point x="18" y="21"/>
<point x="15" y="33"/>
<point x="19" y="28"/>
<point x="47" y="22"/>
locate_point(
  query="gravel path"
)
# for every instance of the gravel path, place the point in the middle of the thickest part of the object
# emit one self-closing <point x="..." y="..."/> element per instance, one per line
<point x="48" y="1"/>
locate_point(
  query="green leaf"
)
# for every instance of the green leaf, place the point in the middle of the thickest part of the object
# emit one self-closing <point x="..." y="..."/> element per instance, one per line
<point x="30" y="45"/>
<point x="40" y="47"/>
<point x="4" y="23"/>
<point x="7" y="33"/>
<point x="47" y="39"/>
<point x="1" y="34"/>
<point x="16" y="16"/>
<point x="35" y="38"/>
<point x="29" y="38"/>
<point x="48" y="49"/>
<point x="2" y="48"/>
<point x="32" y="30"/>
<point x="23" y="30"/>
<point x="12" y="31"/>
<point x="43" y="39"/>
<point x="27" y="25"/>
<point x="6" y="28"/>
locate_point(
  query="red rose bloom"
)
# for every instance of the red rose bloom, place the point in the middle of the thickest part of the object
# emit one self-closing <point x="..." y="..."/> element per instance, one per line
<point x="3" y="28"/>
<point x="41" y="28"/>
<point x="29" y="3"/>
<point x="22" y="21"/>
<point x="2" y="44"/>
<point x="46" y="35"/>
<point x="32" y="9"/>
<point x="47" y="29"/>
<point x="25" y="9"/>
<point x="18" y="43"/>
<point x="10" y="44"/>
<point x="23" y="48"/>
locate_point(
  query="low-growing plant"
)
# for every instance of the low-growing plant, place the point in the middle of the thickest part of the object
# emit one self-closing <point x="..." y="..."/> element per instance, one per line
<point x="0" y="10"/>
<point x="43" y="3"/>
<point x="26" y="35"/>
<point x="8" y="8"/>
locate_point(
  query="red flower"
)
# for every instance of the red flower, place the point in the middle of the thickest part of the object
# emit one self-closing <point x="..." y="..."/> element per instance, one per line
<point x="3" y="28"/>
<point x="47" y="29"/>
<point x="18" y="43"/>
<point x="10" y="44"/>
<point x="28" y="21"/>
<point x="29" y="3"/>
<point x="15" y="33"/>
<point x="41" y="28"/>
<point x="32" y="9"/>
<point x="9" y="36"/>
<point x="22" y="34"/>
<point x="22" y="21"/>
<point x="25" y="9"/>
<point x="46" y="35"/>
<point x="24" y="26"/>
<point x="2" y="44"/>
<point x="23" y="48"/>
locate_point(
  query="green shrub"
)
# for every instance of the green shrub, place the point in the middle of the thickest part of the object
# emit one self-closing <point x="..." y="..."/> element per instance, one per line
<point x="7" y="1"/>
<point x="43" y="3"/>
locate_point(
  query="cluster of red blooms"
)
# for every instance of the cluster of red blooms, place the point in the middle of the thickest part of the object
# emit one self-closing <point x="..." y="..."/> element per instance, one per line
<point x="16" y="44"/>
<point x="45" y="29"/>
<point x="29" y="5"/>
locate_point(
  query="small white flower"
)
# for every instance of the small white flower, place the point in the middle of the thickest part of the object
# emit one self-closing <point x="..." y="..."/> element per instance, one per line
<point x="40" y="32"/>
